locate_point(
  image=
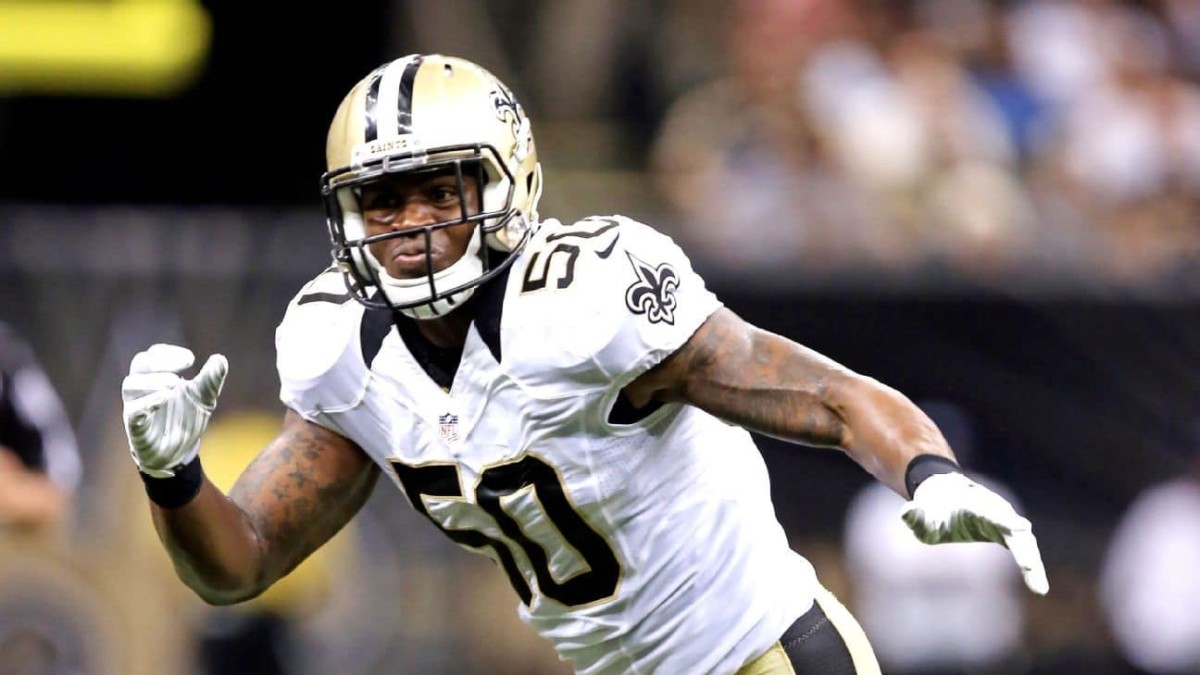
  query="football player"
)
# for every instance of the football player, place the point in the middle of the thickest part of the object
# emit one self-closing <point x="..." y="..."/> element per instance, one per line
<point x="568" y="399"/>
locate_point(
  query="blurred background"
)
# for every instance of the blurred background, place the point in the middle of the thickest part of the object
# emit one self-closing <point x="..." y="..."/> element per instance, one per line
<point x="992" y="205"/>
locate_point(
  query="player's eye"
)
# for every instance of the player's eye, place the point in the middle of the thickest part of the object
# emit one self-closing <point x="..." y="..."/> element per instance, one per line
<point x="379" y="217"/>
<point x="379" y="200"/>
<point x="443" y="194"/>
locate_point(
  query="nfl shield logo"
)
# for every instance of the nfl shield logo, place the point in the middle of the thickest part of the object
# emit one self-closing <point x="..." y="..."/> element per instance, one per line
<point x="448" y="427"/>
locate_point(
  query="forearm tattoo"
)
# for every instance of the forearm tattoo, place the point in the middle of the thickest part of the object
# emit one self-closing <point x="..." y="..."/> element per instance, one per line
<point x="300" y="491"/>
<point x="763" y="382"/>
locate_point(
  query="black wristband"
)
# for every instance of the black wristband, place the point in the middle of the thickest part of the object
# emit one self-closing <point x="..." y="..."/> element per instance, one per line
<point x="924" y="466"/>
<point x="177" y="490"/>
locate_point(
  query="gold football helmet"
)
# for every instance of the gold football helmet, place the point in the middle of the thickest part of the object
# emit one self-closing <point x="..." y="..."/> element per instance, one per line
<point x="421" y="113"/>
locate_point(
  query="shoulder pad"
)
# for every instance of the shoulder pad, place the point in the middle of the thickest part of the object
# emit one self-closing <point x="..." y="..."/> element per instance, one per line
<point x="605" y="298"/>
<point x="316" y="346"/>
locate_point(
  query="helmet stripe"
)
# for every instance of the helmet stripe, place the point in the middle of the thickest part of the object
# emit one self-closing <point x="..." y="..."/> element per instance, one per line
<point x="396" y="91"/>
<point x="372" y="96"/>
<point x="404" y="105"/>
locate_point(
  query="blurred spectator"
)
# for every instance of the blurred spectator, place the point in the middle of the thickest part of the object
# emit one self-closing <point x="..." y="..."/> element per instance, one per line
<point x="1121" y="155"/>
<point x="1183" y="18"/>
<point x="953" y="611"/>
<point x="1056" y="48"/>
<point x="974" y="32"/>
<point x="846" y="138"/>
<point x="1013" y="144"/>
<point x="1149" y="584"/>
<point x="39" y="460"/>
<point x="739" y="159"/>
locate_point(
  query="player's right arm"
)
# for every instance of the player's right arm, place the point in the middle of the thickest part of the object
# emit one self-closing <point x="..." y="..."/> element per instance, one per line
<point x="300" y="490"/>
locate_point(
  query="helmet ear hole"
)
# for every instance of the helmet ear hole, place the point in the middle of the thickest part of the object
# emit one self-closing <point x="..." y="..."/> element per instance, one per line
<point x="353" y="229"/>
<point x="510" y="235"/>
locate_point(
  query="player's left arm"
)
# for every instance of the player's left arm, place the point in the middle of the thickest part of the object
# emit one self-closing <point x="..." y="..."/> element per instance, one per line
<point x="774" y="386"/>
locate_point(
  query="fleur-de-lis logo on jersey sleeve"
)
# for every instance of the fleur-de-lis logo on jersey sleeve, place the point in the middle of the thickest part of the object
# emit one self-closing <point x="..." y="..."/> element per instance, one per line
<point x="653" y="294"/>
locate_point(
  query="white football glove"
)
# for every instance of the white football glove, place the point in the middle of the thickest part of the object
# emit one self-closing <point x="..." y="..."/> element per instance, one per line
<point x="949" y="507"/>
<point x="164" y="413"/>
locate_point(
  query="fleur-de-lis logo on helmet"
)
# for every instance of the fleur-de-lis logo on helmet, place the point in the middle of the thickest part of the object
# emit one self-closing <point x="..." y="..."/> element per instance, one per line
<point x="508" y="110"/>
<point x="653" y="294"/>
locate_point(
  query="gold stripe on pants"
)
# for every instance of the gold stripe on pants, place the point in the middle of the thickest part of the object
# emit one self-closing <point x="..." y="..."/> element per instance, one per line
<point x="775" y="661"/>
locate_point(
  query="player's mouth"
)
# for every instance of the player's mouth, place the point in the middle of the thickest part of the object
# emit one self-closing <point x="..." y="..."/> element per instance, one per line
<point x="409" y="259"/>
<point x="407" y="256"/>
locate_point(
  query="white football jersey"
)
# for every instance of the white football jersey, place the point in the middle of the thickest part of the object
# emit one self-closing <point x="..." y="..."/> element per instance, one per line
<point x="636" y="543"/>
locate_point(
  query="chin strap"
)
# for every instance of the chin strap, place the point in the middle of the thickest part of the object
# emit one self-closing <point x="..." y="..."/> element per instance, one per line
<point x="439" y="307"/>
<point x="407" y="294"/>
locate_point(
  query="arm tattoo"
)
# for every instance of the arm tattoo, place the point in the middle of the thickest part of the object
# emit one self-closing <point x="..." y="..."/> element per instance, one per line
<point x="301" y="490"/>
<point x="761" y="381"/>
